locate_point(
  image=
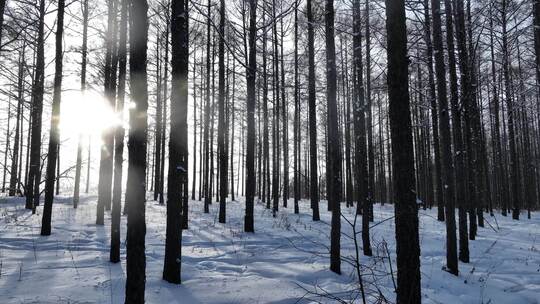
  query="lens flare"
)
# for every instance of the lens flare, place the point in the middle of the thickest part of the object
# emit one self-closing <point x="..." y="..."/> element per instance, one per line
<point x="87" y="113"/>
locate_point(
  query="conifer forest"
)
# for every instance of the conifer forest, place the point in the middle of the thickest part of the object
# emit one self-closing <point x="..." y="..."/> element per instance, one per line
<point x="270" y="151"/>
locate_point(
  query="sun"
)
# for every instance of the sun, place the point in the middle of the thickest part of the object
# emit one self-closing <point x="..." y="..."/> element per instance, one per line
<point x="86" y="113"/>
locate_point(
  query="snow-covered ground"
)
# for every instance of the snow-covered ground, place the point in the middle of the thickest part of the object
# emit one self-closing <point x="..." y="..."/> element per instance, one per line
<point x="284" y="261"/>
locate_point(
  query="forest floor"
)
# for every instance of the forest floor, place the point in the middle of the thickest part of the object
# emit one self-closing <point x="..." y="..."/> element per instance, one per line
<point x="284" y="261"/>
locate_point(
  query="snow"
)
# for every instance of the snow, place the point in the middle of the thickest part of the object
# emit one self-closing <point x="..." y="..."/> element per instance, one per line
<point x="284" y="261"/>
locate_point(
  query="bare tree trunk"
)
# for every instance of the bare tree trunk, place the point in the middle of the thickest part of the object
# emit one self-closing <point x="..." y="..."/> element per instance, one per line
<point x="250" y="147"/>
<point x="467" y="103"/>
<point x="276" y="125"/>
<point x="369" y="125"/>
<point x="159" y="125"/>
<point x="447" y="168"/>
<point x="334" y="150"/>
<point x="406" y="212"/>
<point x="138" y="138"/>
<point x="2" y="8"/>
<point x="54" y="133"/>
<point x="514" y="170"/>
<point x="296" y="127"/>
<point x="285" y="119"/>
<point x="433" y="102"/>
<point x="223" y="162"/>
<point x="361" y="156"/>
<point x="207" y="188"/>
<point x="178" y="151"/>
<point x="34" y="174"/>
<point x="312" y="115"/>
<point x="119" y="134"/>
<point x="457" y="137"/>
<point x="266" y="150"/>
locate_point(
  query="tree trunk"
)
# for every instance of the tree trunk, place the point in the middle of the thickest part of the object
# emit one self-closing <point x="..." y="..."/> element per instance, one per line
<point x="433" y="101"/>
<point x="222" y="150"/>
<point x="275" y="126"/>
<point x="178" y="151"/>
<point x="34" y="174"/>
<point x="207" y="146"/>
<point x="119" y="133"/>
<point x="361" y="157"/>
<point x="159" y="125"/>
<point x="296" y="127"/>
<point x="514" y="170"/>
<point x="457" y="137"/>
<point x="2" y="8"/>
<point x="406" y="211"/>
<point x="250" y="148"/>
<point x="369" y="126"/>
<point x="138" y="138"/>
<point x="54" y="133"/>
<point x="285" y="120"/>
<point x="447" y="168"/>
<point x="467" y="103"/>
<point x="312" y="115"/>
<point x="334" y="150"/>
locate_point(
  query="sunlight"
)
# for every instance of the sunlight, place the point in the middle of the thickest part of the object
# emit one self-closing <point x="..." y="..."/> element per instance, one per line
<point x="86" y="113"/>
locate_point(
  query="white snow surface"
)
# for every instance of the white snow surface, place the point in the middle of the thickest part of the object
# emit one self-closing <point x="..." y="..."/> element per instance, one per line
<point x="286" y="260"/>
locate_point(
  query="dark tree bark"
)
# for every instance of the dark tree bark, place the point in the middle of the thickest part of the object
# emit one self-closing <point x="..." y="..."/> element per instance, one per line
<point x="57" y="183"/>
<point x="178" y="151"/>
<point x="285" y="119"/>
<point x="159" y="126"/>
<point x="334" y="150"/>
<point x="250" y="147"/>
<point x="447" y="168"/>
<point x="222" y="150"/>
<point x="406" y="211"/>
<point x="459" y="154"/>
<point x="314" y="193"/>
<point x="138" y="137"/>
<point x="467" y="102"/>
<point x="514" y="166"/>
<point x="266" y="156"/>
<point x="433" y="102"/>
<point x="119" y="133"/>
<point x="361" y="156"/>
<point x="369" y="126"/>
<point x="296" y="127"/>
<point x="2" y="8"/>
<point x="536" y="26"/>
<point x="207" y="185"/>
<point x="275" y="126"/>
<point x="34" y="174"/>
<point x="165" y="98"/>
<point x="54" y="133"/>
